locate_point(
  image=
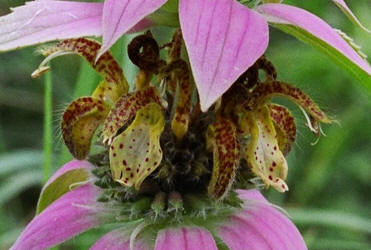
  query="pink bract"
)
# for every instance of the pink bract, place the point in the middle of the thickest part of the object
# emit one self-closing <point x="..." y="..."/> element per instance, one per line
<point x="64" y="218"/>
<point x="120" y="16"/>
<point x="222" y="40"/>
<point x="258" y="225"/>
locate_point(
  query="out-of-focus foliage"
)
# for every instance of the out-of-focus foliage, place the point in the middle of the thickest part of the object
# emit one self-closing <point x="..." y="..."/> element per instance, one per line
<point x="329" y="182"/>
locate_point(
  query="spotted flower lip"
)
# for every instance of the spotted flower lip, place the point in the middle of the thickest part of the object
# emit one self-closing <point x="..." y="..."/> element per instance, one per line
<point x="168" y="176"/>
<point x="242" y="32"/>
<point x="257" y="225"/>
<point x="134" y="122"/>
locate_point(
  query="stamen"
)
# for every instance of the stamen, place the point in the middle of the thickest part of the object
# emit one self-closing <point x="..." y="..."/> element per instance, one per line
<point x="315" y="142"/>
<point x="309" y="121"/>
<point x="320" y="129"/>
<point x="43" y="68"/>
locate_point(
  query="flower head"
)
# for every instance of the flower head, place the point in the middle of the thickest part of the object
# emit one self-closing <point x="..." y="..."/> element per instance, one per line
<point x="242" y="32"/>
<point x="162" y="169"/>
<point x="168" y="164"/>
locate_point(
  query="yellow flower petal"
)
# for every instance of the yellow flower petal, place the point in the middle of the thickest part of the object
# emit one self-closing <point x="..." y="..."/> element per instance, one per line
<point x="262" y="153"/>
<point x="79" y="122"/>
<point x="125" y="109"/>
<point x="136" y="152"/>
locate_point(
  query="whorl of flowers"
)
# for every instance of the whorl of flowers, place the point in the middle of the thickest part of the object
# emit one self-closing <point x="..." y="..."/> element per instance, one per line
<point x="161" y="163"/>
<point x="167" y="162"/>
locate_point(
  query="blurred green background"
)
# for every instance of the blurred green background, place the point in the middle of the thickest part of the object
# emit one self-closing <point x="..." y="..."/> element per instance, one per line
<point x="330" y="183"/>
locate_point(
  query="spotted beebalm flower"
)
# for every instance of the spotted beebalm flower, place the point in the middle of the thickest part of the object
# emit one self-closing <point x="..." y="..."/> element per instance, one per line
<point x="241" y="32"/>
<point x="164" y="173"/>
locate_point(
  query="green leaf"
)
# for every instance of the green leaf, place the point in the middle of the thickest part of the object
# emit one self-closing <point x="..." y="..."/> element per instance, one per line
<point x="338" y="244"/>
<point x="330" y="218"/>
<point x="334" y="54"/>
<point x="171" y="6"/>
<point x="14" y="185"/>
<point x="165" y="17"/>
<point x="8" y="238"/>
<point x="19" y="160"/>
<point x="319" y="171"/>
<point x="272" y="1"/>
<point x="86" y="81"/>
<point x="63" y="184"/>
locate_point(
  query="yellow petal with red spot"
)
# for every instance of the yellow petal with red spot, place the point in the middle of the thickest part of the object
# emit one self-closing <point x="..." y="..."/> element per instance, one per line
<point x="262" y="153"/>
<point x="80" y="120"/>
<point x="221" y="138"/>
<point x="265" y="91"/>
<point x="114" y="84"/>
<point x="125" y="109"/>
<point x="136" y="152"/>
<point x="285" y="126"/>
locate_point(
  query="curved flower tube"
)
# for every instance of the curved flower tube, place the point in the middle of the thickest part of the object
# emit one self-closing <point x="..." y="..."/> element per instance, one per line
<point x="257" y="224"/>
<point x="242" y="32"/>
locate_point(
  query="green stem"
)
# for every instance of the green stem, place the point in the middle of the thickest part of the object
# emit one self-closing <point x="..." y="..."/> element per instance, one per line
<point x="48" y="127"/>
<point x="2" y="141"/>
